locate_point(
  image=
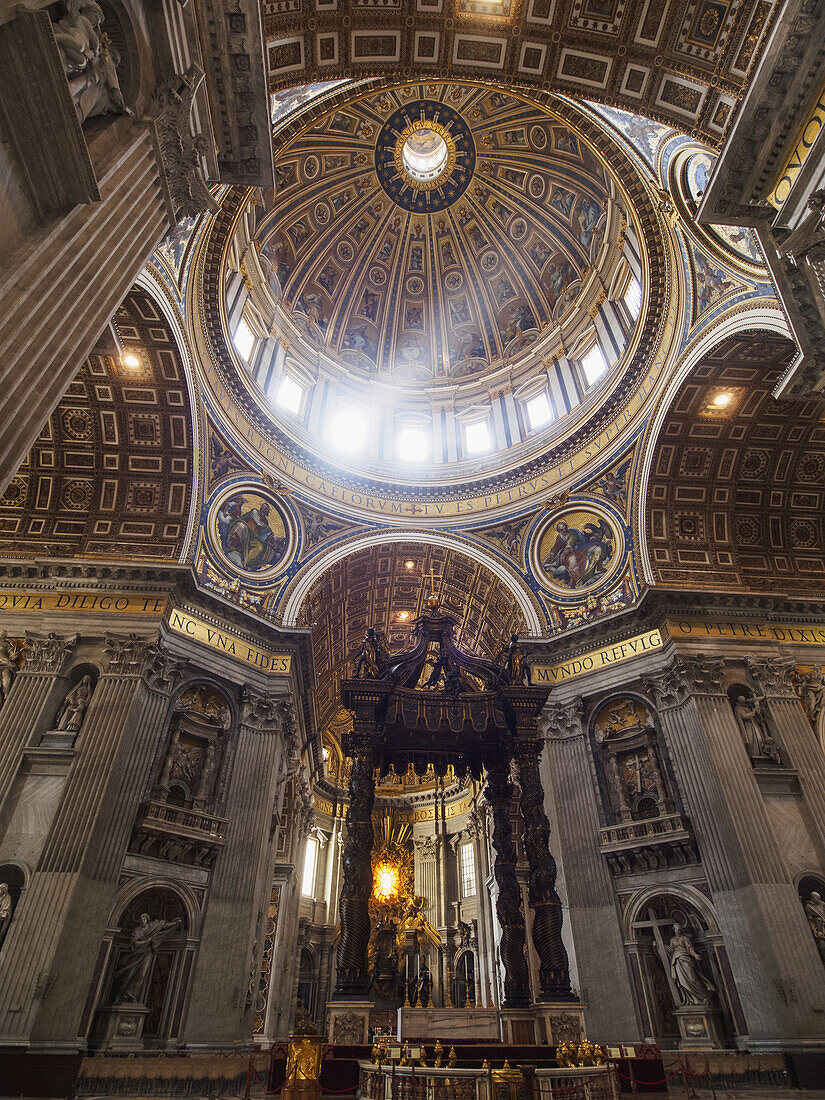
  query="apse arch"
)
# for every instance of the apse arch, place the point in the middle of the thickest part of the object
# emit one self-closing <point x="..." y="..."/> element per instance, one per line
<point x="152" y="286"/>
<point x="305" y="579"/>
<point x="765" y="318"/>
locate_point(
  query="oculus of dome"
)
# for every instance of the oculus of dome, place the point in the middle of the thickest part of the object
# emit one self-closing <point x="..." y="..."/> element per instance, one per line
<point x="426" y="152"/>
<point x="425" y="174"/>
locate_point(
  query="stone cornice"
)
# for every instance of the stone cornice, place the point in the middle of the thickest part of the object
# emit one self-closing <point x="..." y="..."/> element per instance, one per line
<point x="658" y="604"/>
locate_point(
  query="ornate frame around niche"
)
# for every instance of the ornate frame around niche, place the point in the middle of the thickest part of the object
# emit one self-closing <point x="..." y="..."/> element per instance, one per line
<point x="630" y="734"/>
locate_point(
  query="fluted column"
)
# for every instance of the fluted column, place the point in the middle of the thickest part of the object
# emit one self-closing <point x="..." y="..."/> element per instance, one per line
<point x="499" y="792"/>
<point x="773" y="959"/>
<point x="554" y="969"/>
<point x="797" y="737"/>
<point x="475" y="830"/>
<point x="353" y="907"/>
<point x="595" y="927"/>
<point x="49" y="954"/>
<point x="31" y="698"/>
<point x="241" y="876"/>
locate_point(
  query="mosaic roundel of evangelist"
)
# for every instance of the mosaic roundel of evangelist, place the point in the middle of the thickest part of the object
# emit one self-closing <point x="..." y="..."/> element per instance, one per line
<point x="578" y="549"/>
<point x="250" y="533"/>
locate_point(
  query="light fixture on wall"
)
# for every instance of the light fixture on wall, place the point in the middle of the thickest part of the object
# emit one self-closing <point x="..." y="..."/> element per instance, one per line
<point x="721" y="400"/>
<point x="130" y="360"/>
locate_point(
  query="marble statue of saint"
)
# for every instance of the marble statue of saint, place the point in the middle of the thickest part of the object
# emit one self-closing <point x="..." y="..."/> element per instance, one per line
<point x="812" y="692"/>
<point x="89" y="60"/>
<point x="8" y="666"/>
<point x="751" y="722"/>
<point x="694" y="988"/>
<point x="70" y="716"/>
<point x="5" y="910"/>
<point x="815" y="912"/>
<point x="135" y="967"/>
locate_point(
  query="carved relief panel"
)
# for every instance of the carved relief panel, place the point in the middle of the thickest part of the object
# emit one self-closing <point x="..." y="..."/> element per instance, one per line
<point x="628" y="753"/>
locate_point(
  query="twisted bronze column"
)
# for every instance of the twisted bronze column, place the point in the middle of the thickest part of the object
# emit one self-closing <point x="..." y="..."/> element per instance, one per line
<point x="554" y="970"/>
<point x="508" y="903"/>
<point x="353" y="907"/>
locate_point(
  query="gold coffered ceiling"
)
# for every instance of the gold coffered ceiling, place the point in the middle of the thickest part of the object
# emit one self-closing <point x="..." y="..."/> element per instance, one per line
<point x="684" y="63"/>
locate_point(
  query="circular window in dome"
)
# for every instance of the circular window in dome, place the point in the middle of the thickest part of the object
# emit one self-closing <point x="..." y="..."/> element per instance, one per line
<point x="424" y="155"/>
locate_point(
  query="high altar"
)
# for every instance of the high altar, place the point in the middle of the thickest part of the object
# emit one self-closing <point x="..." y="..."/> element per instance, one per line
<point x="435" y="705"/>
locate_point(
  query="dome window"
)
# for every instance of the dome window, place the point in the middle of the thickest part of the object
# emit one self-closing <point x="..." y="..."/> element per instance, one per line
<point x="348" y="430"/>
<point x="477" y="437"/>
<point x="425" y="155"/>
<point x="633" y="298"/>
<point x="594" y="365"/>
<point x="412" y="444"/>
<point x="243" y="340"/>
<point x="538" y="411"/>
<point x="290" y="395"/>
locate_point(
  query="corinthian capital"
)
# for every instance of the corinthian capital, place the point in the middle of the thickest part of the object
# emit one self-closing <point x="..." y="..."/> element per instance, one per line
<point x="266" y="713"/>
<point x="774" y="678"/>
<point x="161" y="669"/>
<point x="47" y="652"/>
<point x="670" y="687"/>
<point x="131" y="654"/>
<point x="562" y="722"/>
<point x="706" y="675"/>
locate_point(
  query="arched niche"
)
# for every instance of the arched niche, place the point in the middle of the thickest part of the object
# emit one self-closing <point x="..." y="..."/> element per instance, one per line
<point x="149" y="961"/>
<point x="811" y="889"/>
<point x="70" y="712"/>
<point x="633" y="770"/>
<point x="679" y="965"/>
<point x="194" y="767"/>
<point x="464" y="980"/>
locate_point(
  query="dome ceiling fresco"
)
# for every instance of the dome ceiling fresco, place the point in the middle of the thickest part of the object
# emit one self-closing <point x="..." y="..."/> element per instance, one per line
<point x="437" y="278"/>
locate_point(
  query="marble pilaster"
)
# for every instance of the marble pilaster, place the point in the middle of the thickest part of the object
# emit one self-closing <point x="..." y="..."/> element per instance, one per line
<point x="241" y="877"/>
<point x="804" y="753"/>
<point x="32" y="698"/>
<point x="774" y="962"/>
<point x="62" y="916"/>
<point x="592" y="909"/>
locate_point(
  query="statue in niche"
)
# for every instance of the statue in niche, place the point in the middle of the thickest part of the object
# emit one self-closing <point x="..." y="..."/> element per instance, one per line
<point x="511" y="658"/>
<point x="135" y="966"/>
<point x="9" y="652"/>
<point x="73" y="710"/>
<point x="6" y="907"/>
<point x="815" y="912"/>
<point x="812" y="693"/>
<point x="753" y="727"/>
<point x="371" y="656"/>
<point x="89" y="60"/>
<point x="694" y="988"/>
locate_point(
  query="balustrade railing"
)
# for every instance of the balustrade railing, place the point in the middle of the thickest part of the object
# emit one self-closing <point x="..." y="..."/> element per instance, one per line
<point x="654" y="828"/>
<point x="452" y="1083"/>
